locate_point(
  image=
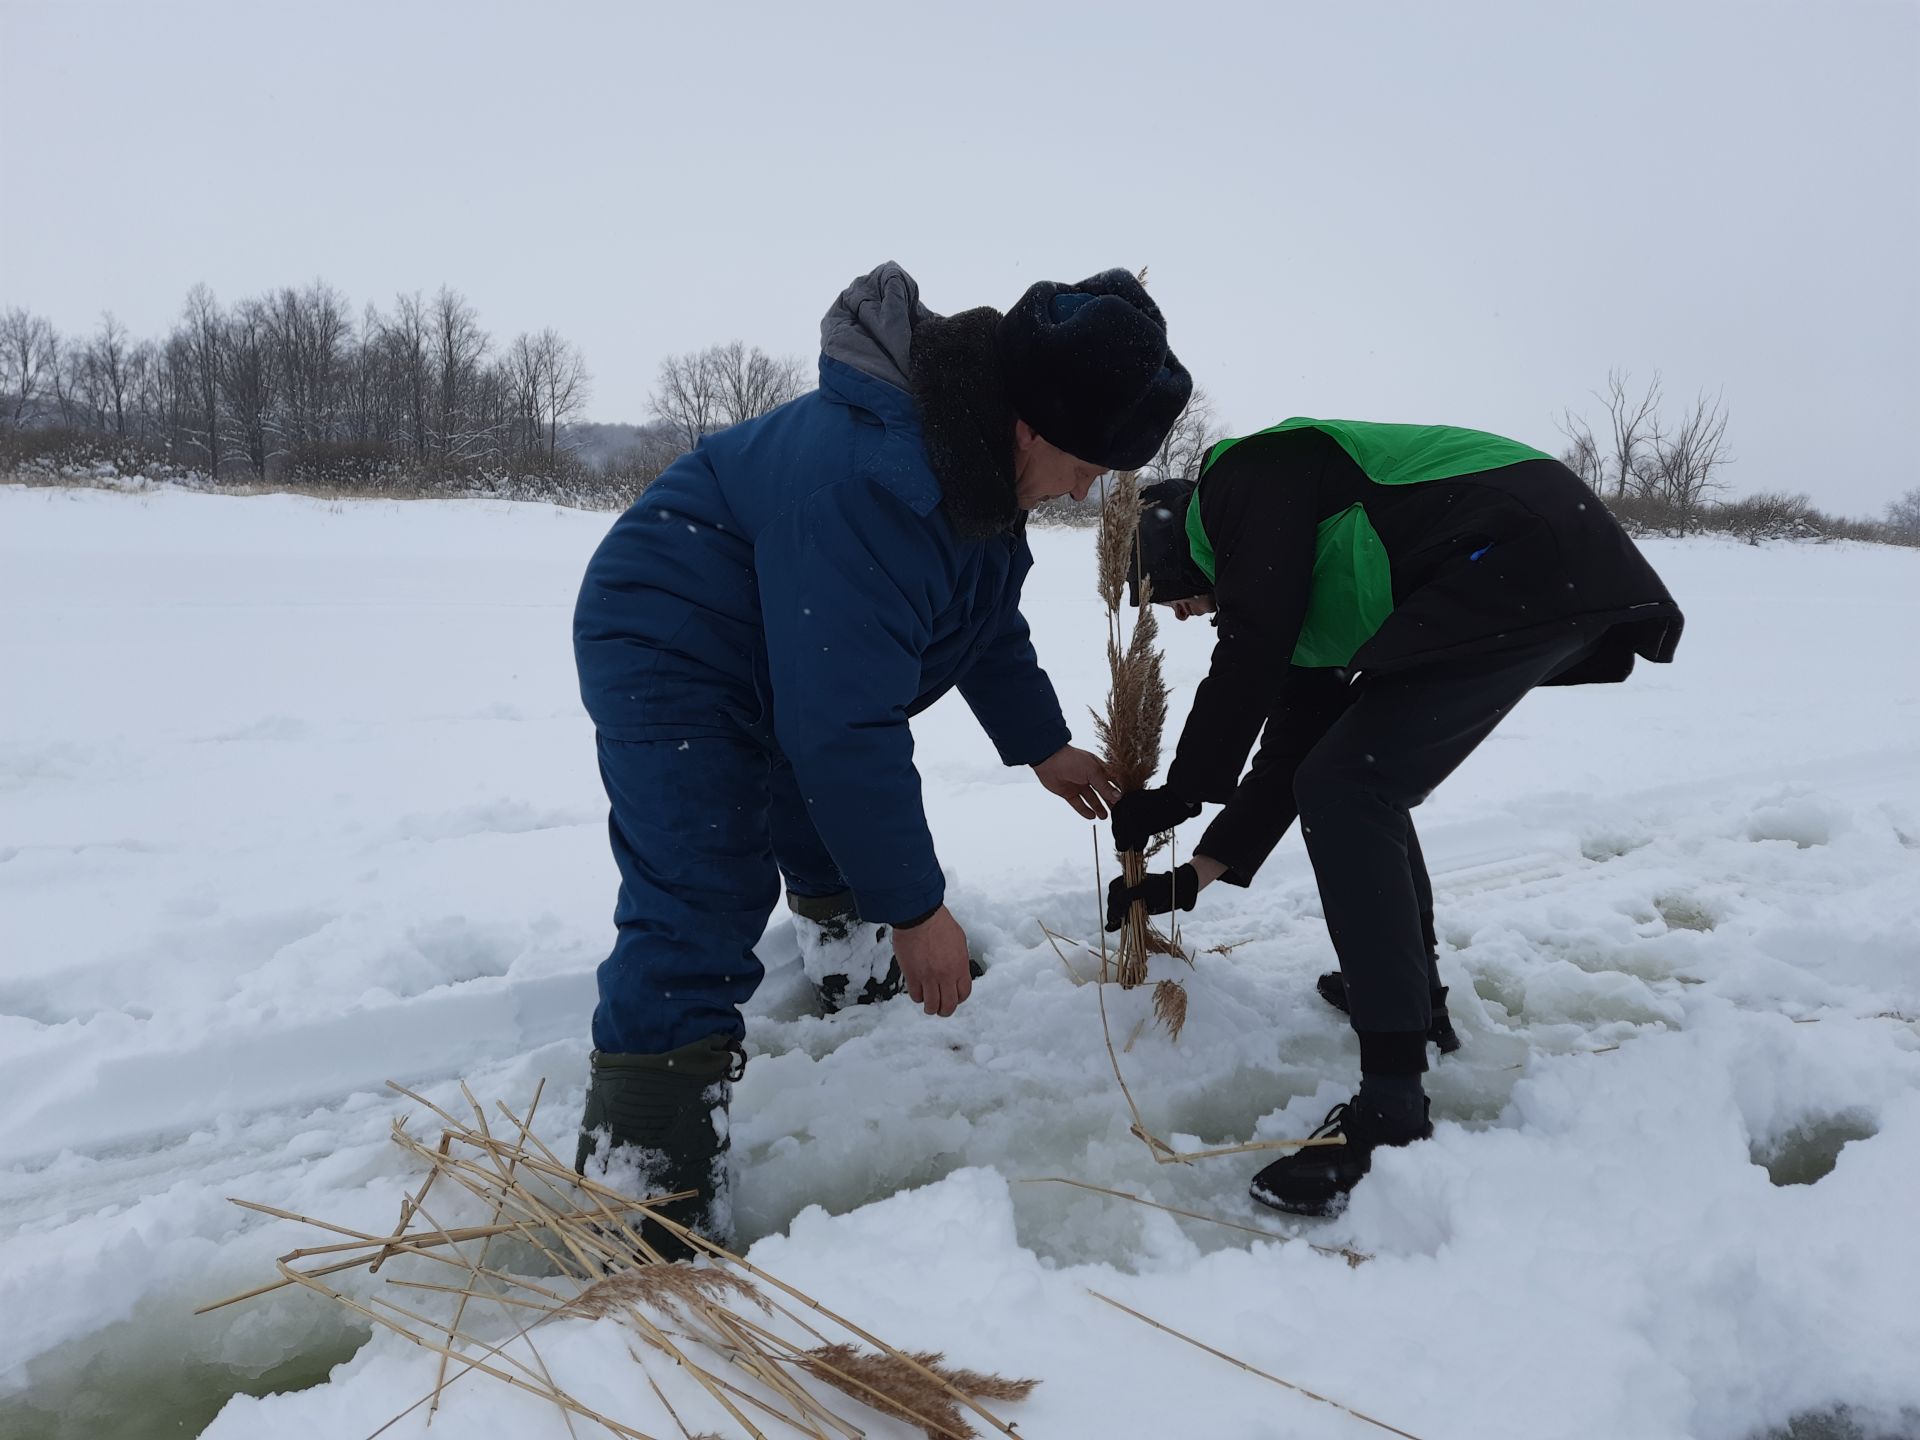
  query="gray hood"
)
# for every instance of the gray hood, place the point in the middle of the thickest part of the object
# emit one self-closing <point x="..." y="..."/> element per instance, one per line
<point x="946" y="364"/>
<point x="870" y="326"/>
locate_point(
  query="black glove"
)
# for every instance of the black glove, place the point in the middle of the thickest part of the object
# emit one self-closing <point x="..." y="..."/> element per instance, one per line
<point x="1162" y="890"/>
<point x="1140" y="816"/>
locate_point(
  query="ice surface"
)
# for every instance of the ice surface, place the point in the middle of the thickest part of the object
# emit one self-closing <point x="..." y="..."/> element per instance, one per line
<point x="296" y="797"/>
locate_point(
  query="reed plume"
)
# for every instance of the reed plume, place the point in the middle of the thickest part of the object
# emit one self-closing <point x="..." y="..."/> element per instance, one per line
<point x="1136" y="717"/>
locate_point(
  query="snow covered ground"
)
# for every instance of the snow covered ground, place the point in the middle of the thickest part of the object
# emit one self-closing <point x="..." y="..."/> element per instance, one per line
<point x="298" y="797"/>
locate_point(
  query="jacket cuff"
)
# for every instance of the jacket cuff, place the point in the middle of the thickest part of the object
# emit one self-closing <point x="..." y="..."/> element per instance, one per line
<point x="894" y="904"/>
<point x="1032" y="749"/>
<point x="1240" y="846"/>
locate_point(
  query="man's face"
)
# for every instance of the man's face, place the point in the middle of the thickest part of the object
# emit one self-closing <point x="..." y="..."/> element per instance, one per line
<point x="1187" y="609"/>
<point x="1044" y="472"/>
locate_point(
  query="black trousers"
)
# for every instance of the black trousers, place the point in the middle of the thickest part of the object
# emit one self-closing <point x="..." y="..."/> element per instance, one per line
<point x="1396" y="738"/>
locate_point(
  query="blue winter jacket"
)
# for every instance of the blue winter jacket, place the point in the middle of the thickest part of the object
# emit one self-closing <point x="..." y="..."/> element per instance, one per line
<point x="798" y="581"/>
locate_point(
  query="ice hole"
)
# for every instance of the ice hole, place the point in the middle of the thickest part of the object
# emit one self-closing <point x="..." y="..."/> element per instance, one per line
<point x="1841" y="1423"/>
<point x="1807" y="1153"/>
<point x="1683" y="912"/>
<point x="1602" y="845"/>
<point x="161" y="1374"/>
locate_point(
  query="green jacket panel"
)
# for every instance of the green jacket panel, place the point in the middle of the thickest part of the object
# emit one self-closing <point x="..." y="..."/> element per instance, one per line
<point x="1352" y="592"/>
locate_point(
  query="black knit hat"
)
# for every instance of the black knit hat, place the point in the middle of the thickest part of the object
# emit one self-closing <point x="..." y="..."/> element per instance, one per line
<point x="1087" y="366"/>
<point x="1162" y="553"/>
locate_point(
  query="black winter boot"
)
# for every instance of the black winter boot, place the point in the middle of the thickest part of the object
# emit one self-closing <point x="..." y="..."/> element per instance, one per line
<point x="667" y="1114"/>
<point x="849" y="961"/>
<point x="1333" y="989"/>
<point x="1315" y="1180"/>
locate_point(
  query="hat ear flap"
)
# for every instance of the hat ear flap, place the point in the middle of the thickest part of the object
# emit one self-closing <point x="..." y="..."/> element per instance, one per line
<point x="1161" y="557"/>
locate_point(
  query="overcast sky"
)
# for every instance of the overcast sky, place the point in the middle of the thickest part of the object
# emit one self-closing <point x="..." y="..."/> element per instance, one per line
<point x="1462" y="212"/>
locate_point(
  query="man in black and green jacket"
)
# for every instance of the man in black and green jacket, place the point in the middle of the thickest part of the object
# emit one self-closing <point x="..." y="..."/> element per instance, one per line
<point x="1384" y="595"/>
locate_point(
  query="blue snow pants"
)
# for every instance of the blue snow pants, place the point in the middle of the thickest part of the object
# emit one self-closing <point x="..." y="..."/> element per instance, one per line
<point x="703" y="830"/>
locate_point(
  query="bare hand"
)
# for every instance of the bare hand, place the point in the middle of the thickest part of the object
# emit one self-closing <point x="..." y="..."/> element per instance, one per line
<point x="1079" y="778"/>
<point x="933" y="959"/>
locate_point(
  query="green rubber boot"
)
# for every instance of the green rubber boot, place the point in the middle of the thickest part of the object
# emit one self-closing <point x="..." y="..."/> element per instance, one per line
<point x="665" y="1116"/>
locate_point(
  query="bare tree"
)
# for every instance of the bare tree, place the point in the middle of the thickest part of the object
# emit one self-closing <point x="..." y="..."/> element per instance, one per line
<point x="247" y="379"/>
<point x="1686" y="462"/>
<point x="108" y="363"/>
<point x="458" y="345"/>
<point x="290" y="381"/>
<point x="565" y="386"/>
<point x="171" y="397"/>
<point x="523" y="378"/>
<point x="688" y="397"/>
<point x="368" y="387"/>
<point x="309" y="330"/>
<point x="1633" y="421"/>
<point x="1672" y="469"/>
<point x="1193" y="434"/>
<point x="147" y="400"/>
<point x="1903" y="517"/>
<point x="29" y="351"/>
<point x="750" y="382"/>
<point x="543" y="385"/>
<point x="1582" y="455"/>
<point x="200" y="337"/>
<point x="66" y="382"/>
<point x="405" y="340"/>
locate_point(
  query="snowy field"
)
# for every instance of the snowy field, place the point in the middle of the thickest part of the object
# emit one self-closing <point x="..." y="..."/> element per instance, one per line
<point x="297" y="797"/>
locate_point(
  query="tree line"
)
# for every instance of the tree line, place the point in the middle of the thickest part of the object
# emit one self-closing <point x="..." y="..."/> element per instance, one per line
<point x="1662" y="473"/>
<point x="297" y="389"/>
<point x="294" y="386"/>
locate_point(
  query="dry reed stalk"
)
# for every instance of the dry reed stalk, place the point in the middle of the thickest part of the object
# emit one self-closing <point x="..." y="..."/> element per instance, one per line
<point x="1099" y="917"/>
<point x="1227" y="947"/>
<point x="596" y="1254"/>
<point x="883" y="1383"/>
<point x="1162" y="1152"/>
<point x="1130" y="732"/>
<point x="758" y="1350"/>
<point x="666" y="1288"/>
<point x="1354" y="1258"/>
<point x="504" y="1301"/>
<point x="409" y="1205"/>
<point x="1251" y="1370"/>
<point x="698" y="1316"/>
<point x="706" y="1246"/>
<point x="1170" y="1007"/>
<point x="661" y="1395"/>
<point x="1113" y="547"/>
<point x="1157" y="1147"/>
<point x="480" y="1118"/>
<point x="420" y="1245"/>
<point x="905" y="1360"/>
<point x="896" y="1384"/>
<point x="373" y="1316"/>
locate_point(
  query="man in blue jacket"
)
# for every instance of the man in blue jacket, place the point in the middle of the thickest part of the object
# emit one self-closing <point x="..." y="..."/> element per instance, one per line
<point x="752" y="637"/>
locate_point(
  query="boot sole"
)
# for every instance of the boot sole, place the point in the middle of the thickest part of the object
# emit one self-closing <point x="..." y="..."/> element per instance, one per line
<point x="1325" y="1210"/>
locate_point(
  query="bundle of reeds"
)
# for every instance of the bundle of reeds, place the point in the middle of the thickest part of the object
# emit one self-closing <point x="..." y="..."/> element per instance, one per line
<point x="1130" y="731"/>
<point x="756" y="1346"/>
